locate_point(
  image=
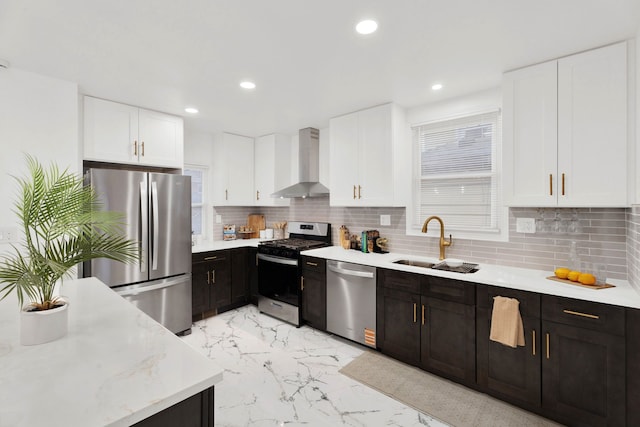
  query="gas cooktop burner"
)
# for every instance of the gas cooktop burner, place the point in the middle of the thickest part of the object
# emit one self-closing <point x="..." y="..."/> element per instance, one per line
<point x="292" y="243"/>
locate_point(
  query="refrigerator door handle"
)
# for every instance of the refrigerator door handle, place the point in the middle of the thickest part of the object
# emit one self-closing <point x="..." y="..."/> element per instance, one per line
<point x="144" y="226"/>
<point x="156" y="232"/>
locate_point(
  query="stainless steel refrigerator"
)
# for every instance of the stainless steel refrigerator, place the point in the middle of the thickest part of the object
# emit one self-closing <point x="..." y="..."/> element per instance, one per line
<point x="158" y="215"/>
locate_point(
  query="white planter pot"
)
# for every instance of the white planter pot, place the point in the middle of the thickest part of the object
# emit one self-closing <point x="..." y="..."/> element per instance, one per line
<point x="39" y="327"/>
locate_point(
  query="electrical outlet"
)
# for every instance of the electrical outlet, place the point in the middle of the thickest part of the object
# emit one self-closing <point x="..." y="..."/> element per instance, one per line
<point x="525" y="225"/>
<point x="218" y="219"/>
<point x="385" y="219"/>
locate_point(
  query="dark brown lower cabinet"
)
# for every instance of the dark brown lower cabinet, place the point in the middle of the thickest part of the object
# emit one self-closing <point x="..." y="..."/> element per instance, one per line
<point x="633" y="367"/>
<point x="239" y="276"/>
<point x="253" y="275"/>
<point x="195" y="411"/>
<point x="314" y="292"/>
<point x="512" y="374"/>
<point x="398" y="325"/>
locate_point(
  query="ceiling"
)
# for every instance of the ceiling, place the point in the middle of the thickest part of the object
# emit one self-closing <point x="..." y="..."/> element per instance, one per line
<point x="307" y="61"/>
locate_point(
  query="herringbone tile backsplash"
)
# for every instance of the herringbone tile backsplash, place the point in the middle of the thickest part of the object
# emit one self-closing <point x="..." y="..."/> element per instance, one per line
<point x="601" y="234"/>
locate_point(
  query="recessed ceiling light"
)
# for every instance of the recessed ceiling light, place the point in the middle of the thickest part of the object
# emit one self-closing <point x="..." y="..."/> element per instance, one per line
<point x="191" y="110"/>
<point x="436" y="86"/>
<point x="247" y="85"/>
<point x="367" y="26"/>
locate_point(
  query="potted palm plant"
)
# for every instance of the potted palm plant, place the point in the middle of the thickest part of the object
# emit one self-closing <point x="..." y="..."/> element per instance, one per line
<point x="62" y="225"/>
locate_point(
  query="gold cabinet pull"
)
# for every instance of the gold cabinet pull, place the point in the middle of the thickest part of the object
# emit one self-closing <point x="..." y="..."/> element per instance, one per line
<point x="414" y="312"/>
<point x="209" y="258"/>
<point x="256" y="259"/>
<point x="423" y="314"/>
<point x="257" y="195"/>
<point x="533" y="342"/>
<point x="354" y="192"/>
<point x="302" y="283"/>
<point x="550" y="184"/>
<point x="547" y="338"/>
<point x="142" y="148"/>
<point x="313" y="264"/>
<point x="208" y="278"/>
<point x="213" y="277"/>
<point x="135" y="148"/>
<point x="359" y="190"/>
<point x="577" y="313"/>
<point x="226" y="194"/>
<point x="563" y="184"/>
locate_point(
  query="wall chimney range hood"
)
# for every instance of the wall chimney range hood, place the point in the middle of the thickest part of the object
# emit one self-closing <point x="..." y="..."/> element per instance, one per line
<point x="308" y="168"/>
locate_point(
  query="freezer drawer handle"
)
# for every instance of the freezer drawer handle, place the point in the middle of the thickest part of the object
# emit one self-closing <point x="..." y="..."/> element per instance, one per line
<point x="366" y="274"/>
<point x="144" y="289"/>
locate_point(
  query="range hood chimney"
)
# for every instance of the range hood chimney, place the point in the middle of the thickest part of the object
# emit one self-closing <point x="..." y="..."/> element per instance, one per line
<point x="308" y="168"/>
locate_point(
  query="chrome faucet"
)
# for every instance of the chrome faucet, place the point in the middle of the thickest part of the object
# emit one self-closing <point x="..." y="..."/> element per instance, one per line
<point x="443" y="243"/>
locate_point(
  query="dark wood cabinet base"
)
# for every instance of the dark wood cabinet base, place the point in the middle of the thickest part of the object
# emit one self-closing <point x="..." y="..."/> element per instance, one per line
<point x="195" y="411"/>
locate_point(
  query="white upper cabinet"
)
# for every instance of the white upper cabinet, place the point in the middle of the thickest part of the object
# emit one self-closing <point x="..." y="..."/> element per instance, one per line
<point x="370" y="158"/>
<point x="272" y="168"/>
<point x="232" y="168"/>
<point x="565" y="139"/>
<point x="120" y="133"/>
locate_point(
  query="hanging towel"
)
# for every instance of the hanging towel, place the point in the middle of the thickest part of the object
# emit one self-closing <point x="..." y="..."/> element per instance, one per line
<point x="506" y="322"/>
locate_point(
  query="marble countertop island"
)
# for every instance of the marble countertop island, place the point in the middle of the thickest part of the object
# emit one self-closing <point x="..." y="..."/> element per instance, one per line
<point x="115" y="367"/>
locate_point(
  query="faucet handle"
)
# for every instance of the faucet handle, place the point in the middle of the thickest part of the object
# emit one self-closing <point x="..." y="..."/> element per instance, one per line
<point x="449" y="242"/>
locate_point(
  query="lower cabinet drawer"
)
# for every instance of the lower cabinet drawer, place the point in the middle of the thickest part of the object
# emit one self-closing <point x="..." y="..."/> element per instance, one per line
<point x="584" y="314"/>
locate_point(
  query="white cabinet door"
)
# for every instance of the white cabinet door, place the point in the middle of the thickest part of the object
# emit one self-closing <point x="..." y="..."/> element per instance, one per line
<point x="233" y="170"/>
<point x="343" y="155"/>
<point x="272" y="160"/>
<point x="376" y="156"/>
<point x="120" y="133"/>
<point x="161" y="139"/>
<point x="110" y="131"/>
<point x="530" y="138"/>
<point x="592" y="128"/>
<point x="565" y="139"/>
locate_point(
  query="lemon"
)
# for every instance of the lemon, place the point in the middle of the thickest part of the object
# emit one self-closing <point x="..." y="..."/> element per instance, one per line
<point x="587" y="279"/>
<point x="573" y="276"/>
<point x="561" y="273"/>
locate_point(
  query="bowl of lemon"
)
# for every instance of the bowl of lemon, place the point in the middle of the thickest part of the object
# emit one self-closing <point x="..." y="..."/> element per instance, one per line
<point x="583" y="278"/>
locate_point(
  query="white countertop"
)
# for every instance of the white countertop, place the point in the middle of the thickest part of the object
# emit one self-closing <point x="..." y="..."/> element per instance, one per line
<point x="115" y="367"/>
<point x="217" y="245"/>
<point x="508" y="277"/>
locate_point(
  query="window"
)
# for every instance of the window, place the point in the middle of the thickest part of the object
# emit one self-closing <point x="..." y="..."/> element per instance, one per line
<point x="456" y="176"/>
<point x="198" y="213"/>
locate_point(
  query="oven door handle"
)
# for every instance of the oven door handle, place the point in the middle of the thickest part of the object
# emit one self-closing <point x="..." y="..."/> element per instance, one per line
<point x="278" y="260"/>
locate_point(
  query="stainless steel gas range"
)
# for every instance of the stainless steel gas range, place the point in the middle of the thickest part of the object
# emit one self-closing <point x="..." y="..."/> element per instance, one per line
<point x="279" y="269"/>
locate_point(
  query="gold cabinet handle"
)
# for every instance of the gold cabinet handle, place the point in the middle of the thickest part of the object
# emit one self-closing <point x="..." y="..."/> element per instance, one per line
<point x="550" y="184"/>
<point x="208" y="277"/>
<point x="313" y="264"/>
<point x="354" y="192"/>
<point x="414" y="312"/>
<point x="256" y="259"/>
<point x="547" y="338"/>
<point x="423" y="314"/>
<point x="226" y="194"/>
<point x="135" y="148"/>
<point x="209" y="258"/>
<point x="359" y="190"/>
<point x="577" y="313"/>
<point x="142" y="148"/>
<point x="533" y="342"/>
<point x="257" y="195"/>
<point x="563" y="184"/>
<point x="302" y="283"/>
<point x="213" y="277"/>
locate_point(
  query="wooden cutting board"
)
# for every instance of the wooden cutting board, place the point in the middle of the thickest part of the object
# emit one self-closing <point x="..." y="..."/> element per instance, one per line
<point x="256" y="223"/>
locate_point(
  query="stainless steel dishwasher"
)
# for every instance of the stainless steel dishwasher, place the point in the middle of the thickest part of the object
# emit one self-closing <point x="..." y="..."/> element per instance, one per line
<point x="351" y="301"/>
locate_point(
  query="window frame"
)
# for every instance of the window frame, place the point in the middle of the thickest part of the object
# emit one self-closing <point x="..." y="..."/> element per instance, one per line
<point x="501" y="220"/>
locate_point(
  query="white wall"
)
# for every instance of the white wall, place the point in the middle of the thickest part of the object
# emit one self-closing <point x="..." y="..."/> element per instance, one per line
<point x="38" y="116"/>
<point x="198" y="150"/>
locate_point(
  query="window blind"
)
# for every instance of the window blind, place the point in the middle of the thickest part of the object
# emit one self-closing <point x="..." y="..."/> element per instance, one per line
<point x="457" y="173"/>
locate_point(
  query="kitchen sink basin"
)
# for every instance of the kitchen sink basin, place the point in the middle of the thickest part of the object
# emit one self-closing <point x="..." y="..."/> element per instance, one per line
<point x="414" y="263"/>
<point x="464" y="268"/>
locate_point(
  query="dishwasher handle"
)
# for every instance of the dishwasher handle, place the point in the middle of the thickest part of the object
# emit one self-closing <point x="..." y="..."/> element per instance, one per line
<point x="346" y="272"/>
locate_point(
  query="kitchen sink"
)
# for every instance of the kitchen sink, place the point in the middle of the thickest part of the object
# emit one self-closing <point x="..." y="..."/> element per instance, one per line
<point x="464" y="268"/>
<point x="415" y="263"/>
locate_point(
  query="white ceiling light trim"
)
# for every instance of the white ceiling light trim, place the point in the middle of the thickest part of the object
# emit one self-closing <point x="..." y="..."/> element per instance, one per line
<point x="437" y="86"/>
<point x="191" y="110"/>
<point x="367" y="26"/>
<point x="247" y="84"/>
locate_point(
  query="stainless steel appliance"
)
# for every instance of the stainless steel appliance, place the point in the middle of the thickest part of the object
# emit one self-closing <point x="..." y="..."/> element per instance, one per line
<point x="158" y="214"/>
<point x="279" y="269"/>
<point x="351" y="301"/>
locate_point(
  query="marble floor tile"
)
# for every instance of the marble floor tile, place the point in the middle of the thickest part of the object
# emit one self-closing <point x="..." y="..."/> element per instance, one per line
<point x="278" y="375"/>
